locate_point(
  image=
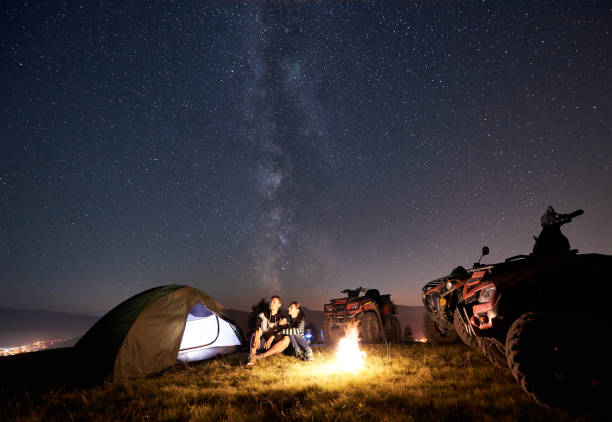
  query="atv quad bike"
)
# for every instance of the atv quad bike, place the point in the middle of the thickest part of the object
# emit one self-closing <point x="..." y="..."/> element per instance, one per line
<point x="440" y="298"/>
<point x="374" y="313"/>
<point x="544" y="316"/>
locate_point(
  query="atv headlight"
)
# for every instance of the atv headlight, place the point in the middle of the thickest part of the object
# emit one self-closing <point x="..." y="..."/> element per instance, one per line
<point x="486" y="294"/>
<point x="449" y="285"/>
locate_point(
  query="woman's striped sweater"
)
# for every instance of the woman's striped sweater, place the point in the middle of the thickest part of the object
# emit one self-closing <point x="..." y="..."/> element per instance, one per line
<point x="295" y="327"/>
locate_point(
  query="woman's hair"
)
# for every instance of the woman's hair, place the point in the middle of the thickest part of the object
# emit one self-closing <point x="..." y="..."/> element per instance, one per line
<point x="300" y="316"/>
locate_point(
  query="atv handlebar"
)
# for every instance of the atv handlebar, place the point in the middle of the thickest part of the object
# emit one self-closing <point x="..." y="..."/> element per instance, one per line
<point x="567" y="218"/>
<point x="358" y="289"/>
<point x="575" y="213"/>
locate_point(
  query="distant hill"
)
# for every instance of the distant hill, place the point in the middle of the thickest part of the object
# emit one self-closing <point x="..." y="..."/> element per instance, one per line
<point x="241" y="318"/>
<point x="411" y="315"/>
<point x="22" y="327"/>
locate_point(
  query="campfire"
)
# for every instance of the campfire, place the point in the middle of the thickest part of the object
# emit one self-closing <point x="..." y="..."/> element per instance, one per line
<point x="348" y="356"/>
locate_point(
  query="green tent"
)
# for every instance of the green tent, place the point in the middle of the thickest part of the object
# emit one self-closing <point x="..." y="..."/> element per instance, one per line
<point x="155" y="328"/>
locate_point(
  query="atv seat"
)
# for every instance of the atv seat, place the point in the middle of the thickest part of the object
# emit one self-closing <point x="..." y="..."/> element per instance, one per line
<point x="373" y="294"/>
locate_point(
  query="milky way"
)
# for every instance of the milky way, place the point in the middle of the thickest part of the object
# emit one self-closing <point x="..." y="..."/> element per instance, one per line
<point x="297" y="148"/>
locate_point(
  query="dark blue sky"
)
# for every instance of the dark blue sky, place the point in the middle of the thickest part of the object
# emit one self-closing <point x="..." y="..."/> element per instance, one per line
<point x="299" y="148"/>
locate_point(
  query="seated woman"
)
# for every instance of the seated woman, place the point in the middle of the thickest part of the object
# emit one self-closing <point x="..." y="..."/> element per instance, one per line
<point x="295" y="331"/>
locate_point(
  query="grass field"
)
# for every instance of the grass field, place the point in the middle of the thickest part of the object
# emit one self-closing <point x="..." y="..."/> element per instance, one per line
<point x="416" y="382"/>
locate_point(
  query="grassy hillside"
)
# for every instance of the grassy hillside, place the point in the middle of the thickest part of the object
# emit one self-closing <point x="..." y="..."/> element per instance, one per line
<point x="401" y="382"/>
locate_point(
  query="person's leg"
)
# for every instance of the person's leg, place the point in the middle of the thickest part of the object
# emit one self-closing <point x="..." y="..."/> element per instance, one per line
<point x="303" y="344"/>
<point x="309" y="355"/>
<point x="277" y="347"/>
<point x="297" y="350"/>
<point x="255" y="341"/>
<point x="255" y="344"/>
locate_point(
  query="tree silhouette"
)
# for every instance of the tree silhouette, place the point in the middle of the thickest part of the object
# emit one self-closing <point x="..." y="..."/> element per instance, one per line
<point x="408" y="336"/>
<point x="262" y="306"/>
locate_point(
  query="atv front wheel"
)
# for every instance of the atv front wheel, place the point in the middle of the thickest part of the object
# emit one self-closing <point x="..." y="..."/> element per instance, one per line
<point x="462" y="331"/>
<point x="550" y="364"/>
<point x="437" y="333"/>
<point x="369" y="328"/>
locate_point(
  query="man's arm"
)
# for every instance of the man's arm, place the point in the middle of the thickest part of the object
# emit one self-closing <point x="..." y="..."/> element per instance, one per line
<point x="268" y="342"/>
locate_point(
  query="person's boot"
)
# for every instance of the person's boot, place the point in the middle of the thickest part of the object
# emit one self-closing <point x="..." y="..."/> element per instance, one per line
<point x="309" y="356"/>
<point x="252" y="360"/>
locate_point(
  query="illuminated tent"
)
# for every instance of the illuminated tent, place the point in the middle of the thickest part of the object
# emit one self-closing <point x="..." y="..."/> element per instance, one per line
<point x="154" y="329"/>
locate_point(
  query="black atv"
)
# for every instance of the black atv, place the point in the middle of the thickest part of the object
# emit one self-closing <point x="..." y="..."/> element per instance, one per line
<point x="544" y="316"/>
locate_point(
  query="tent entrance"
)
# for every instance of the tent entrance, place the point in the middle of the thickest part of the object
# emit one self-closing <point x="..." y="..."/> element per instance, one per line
<point x="206" y="335"/>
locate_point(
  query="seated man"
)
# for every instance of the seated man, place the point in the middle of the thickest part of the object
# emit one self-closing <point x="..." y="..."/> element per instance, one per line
<point x="267" y="330"/>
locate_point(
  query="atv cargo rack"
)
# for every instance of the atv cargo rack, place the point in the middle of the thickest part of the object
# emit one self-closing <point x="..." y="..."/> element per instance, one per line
<point x="435" y="283"/>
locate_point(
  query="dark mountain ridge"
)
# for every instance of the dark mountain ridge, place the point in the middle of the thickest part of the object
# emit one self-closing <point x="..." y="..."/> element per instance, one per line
<point x="19" y="327"/>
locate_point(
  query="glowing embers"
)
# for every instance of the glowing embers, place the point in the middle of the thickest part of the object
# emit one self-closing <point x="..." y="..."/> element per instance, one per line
<point x="348" y="356"/>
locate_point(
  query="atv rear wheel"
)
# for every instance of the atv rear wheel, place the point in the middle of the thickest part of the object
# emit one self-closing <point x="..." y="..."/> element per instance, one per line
<point x="493" y="350"/>
<point x="393" y="330"/>
<point x="462" y="331"/>
<point x="437" y="333"/>
<point x="369" y="328"/>
<point x="550" y="366"/>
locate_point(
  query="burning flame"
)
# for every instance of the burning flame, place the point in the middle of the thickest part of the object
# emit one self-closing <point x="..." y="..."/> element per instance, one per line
<point x="348" y="356"/>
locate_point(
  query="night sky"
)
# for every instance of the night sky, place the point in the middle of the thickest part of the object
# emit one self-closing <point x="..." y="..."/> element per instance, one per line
<point x="297" y="148"/>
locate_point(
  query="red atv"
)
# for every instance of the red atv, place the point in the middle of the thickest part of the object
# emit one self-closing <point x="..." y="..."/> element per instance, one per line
<point x="374" y="313"/>
<point x="441" y="324"/>
<point x="544" y="315"/>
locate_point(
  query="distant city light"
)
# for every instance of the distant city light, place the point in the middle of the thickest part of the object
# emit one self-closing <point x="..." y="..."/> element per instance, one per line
<point x="30" y="347"/>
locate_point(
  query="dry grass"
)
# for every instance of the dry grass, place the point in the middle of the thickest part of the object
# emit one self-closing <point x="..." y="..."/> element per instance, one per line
<point x="401" y="382"/>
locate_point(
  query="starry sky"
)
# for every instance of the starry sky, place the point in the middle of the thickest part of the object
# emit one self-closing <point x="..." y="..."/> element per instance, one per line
<point x="300" y="148"/>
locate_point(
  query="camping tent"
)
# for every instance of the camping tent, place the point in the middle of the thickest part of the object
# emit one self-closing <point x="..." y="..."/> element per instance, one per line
<point x="154" y="329"/>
